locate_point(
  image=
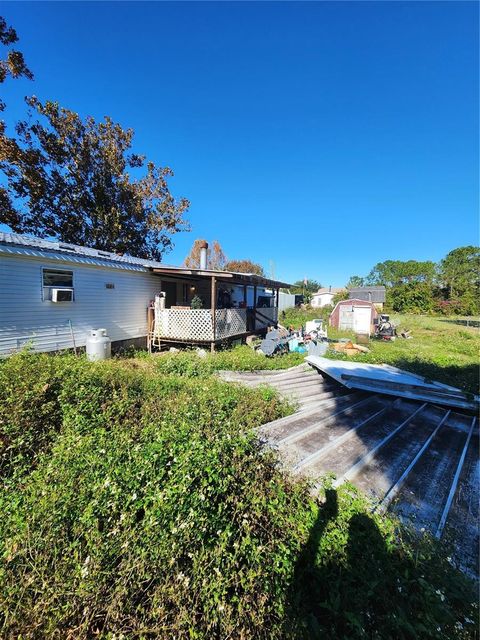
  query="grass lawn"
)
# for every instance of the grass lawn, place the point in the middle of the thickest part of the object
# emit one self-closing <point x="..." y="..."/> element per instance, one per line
<point x="136" y="502"/>
<point x="440" y="348"/>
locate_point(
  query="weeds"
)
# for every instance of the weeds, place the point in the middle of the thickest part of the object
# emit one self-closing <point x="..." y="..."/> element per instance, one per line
<point x="243" y="358"/>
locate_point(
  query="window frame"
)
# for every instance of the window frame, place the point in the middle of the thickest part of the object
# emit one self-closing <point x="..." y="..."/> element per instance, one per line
<point x="46" y="289"/>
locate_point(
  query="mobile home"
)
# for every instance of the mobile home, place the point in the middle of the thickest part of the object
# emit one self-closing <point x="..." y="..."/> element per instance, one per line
<point x="52" y="294"/>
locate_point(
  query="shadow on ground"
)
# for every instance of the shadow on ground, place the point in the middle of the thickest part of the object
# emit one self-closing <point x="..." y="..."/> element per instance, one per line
<point x="350" y="582"/>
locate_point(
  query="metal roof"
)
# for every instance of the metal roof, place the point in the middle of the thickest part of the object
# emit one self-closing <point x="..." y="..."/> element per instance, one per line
<point x="14" y="243"/>
<point x="238" y="277"/>
<point x="70" y="252"/>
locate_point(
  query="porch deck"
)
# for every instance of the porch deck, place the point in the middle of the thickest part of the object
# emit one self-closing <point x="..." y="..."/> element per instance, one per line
<point x="208" y="325"/>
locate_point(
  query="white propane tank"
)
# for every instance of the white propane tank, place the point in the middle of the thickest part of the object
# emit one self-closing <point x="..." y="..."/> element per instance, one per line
<point x="99" y="345"/>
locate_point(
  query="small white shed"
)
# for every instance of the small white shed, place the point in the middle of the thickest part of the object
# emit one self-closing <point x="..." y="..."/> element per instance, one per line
<point x="354" y="315"/>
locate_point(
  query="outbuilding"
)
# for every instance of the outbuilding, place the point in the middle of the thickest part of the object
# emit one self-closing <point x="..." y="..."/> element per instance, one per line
<point x="354" y="315"/>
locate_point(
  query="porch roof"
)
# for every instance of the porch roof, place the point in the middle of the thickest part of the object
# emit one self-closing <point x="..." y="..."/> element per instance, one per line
<point x="241" y="278"/>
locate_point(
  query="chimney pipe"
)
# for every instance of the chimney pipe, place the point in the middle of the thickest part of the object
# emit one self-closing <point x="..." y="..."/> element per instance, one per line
<point x="203" y="254"/>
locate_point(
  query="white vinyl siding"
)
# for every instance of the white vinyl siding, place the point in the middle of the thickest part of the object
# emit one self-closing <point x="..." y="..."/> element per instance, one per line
<point x="26" y="318"/>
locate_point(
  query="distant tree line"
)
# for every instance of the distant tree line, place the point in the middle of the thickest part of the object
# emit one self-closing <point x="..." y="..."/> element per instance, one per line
<point x="451" y="286"/>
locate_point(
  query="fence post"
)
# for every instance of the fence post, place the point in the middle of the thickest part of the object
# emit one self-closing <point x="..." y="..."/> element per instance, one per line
<point x="213" y="307"/>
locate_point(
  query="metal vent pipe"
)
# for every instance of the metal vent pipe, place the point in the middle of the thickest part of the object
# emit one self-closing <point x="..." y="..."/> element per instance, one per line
<point x="203" y="254"/>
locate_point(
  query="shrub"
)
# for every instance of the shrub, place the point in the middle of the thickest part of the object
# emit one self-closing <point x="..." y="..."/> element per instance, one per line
<point x="414" y="297"/>
<point x="466" y="305"/>
<point x="30" y="413"/>
<point x="196" y="303"/>
<point x="243" y="358"/>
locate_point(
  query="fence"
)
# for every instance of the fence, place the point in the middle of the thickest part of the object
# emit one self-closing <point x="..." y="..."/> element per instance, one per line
<point x="197" y="324"/>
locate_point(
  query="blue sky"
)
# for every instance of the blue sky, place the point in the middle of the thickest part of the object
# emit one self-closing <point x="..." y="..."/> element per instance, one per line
<point x="318" y="137"/>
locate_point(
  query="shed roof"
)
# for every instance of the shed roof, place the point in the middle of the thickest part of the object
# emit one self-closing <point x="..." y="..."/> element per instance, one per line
<point x="18" y="244"/>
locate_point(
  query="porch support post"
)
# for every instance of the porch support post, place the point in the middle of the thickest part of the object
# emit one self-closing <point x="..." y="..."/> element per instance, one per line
<point x="254" y="307"/>
<point x="213" y="307"/>
<point x="277" y="304"/>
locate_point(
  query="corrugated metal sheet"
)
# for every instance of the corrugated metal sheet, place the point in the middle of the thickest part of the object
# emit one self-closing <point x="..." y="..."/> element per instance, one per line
<point x="392" y="381"/>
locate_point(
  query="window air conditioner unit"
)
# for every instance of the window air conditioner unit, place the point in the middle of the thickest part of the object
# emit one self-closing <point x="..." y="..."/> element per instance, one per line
<point x="62" y="295"/>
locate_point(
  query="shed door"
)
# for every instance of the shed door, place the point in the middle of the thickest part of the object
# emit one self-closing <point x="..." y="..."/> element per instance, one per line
<point x="346" y="318"/>
<point x="361" y="319"/>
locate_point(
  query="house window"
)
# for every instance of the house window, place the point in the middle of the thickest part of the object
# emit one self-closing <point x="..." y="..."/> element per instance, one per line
<point x="57" y="285"/>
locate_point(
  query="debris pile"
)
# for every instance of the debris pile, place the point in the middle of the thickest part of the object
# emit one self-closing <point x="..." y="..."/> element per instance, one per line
<point x="310" y="339"/>
<point x="275" y="342"/>
<point x="349" y="348"/>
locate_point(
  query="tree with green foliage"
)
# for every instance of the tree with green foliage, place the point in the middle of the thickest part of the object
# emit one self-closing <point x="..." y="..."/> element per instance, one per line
<point x="392" y="273"/>
<point x="341" y="295"/>
<point x="71" y="178"/>
<point x="411" y="297"/>
<point x="355" y="281"/>
<point x="451" y="287"/>
<point x="245" y="266"/>
<point x="305" y="287"/>
<point x="460" y="272"/>
<point x="299" y="286"/>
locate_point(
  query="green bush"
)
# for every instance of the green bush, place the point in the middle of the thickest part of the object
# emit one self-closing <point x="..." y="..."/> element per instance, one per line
<point x="30" y="413"/>
<point x="151" y="511"/>
<point x="414" y="297"/>
<point x="243" y="358"/>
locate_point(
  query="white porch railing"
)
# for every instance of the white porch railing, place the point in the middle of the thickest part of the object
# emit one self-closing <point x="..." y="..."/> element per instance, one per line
<point x="197" y="324"/>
